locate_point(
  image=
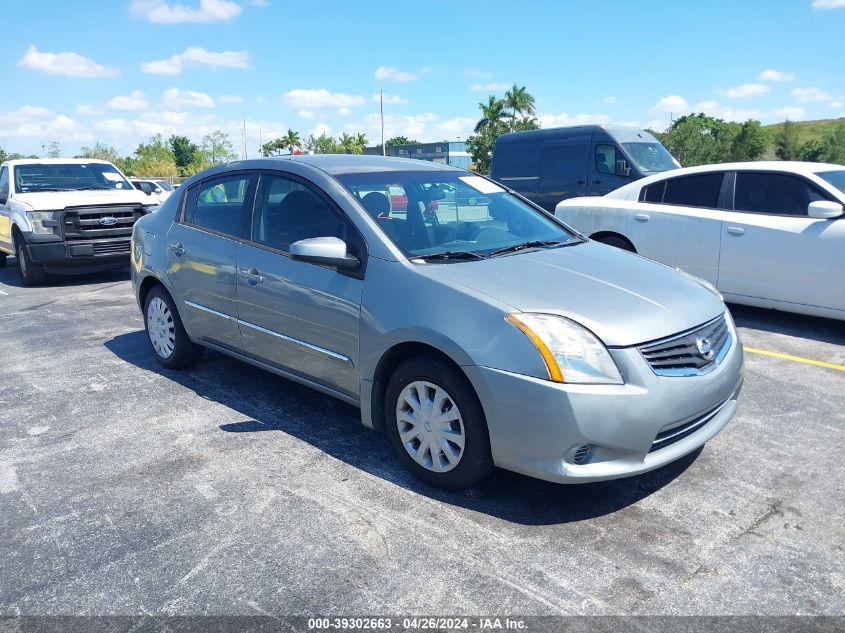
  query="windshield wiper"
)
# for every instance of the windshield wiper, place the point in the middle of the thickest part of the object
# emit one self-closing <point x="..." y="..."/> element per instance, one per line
<point x="525" y="245"/>
<point x="44" y="189"/>
<point x="95" y="187"/>
<point x="449" y="255"/>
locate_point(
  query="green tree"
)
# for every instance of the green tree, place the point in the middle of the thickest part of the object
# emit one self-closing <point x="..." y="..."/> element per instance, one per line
<point x="835" y="145"/>
<point x="814" y="151"/>
<point x="786" y="142"/>
<point x="184" y="151"/>
<point x="291" y="140"/>
<point x="492" y="114"/>
<point x="153" y="158"/>
<point x="54" y="150"/>
<point x="325" y="145"/>
<point x="101" y="151"/>
<point x="750" y="142"/>
<point x="399" y="140"/>
<point x="351" y="143"/>
<point x="360" y="142"/>
<point x="520" y="102"/>
<point x="697" y="139"/>
<point x="217" y="148"/>
<point x="495" y="120"/>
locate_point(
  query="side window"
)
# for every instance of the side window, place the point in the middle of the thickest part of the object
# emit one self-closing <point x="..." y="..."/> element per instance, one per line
<point x="654" y="192"/>
<point x="220" y="204"/>
<point x="606" y="159"/>
<point x="694" y="191"/>
<point x="287" y="211"/>
<point x="777" y="194"/>
<point x="4" y="182"/>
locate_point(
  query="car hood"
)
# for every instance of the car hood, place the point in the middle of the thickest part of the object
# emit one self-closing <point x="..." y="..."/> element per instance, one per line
<point x="53" y="200"/>
<point x="623" y="298"/>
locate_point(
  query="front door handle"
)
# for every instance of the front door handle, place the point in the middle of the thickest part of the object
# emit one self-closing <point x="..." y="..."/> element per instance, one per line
<point x="736" y="230"/>
<point x="253" y="277"/>
<point x="177" y="249"/>
<point x="580" y="182"/>
<point x="597" y="182"/>
<point x="642" y="217"/>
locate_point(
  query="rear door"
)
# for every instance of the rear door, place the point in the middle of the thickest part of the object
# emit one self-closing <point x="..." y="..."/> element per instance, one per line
<point x="771" y="248"/>
<point x="299" y="316"/>
<point x="681" y="224"/>
<point x="563" y="169"/>
<point x="517" y="165"/>
<point x="202" y="251"/>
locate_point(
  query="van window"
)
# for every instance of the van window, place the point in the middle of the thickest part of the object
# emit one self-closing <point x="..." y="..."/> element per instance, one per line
<point x="517" y="161"/>
<point x="558" y="161"/>
<point x="606" y="159"/>
<point x="701" y="190"/>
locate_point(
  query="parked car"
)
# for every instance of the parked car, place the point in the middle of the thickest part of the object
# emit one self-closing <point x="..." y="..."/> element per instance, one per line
<point x="66" y="215"/>
<point x="550" y="165"/>
<point x="504" y="340"/>
<point x="160" y="190"/>
<point x="767" y="234"/>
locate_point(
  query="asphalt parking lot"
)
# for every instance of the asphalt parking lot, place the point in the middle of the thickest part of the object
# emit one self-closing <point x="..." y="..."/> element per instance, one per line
<point x="126" y="488"/>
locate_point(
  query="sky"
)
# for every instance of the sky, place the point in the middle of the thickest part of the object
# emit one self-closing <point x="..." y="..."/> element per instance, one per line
<point x="120" y="71"/>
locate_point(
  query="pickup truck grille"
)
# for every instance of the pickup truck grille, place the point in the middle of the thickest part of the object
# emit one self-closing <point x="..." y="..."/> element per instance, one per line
<point x="691" y="353"/>
<point x="83" y="223"/>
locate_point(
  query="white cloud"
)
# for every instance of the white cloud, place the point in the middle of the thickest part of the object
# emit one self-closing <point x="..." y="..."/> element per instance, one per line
<point x="745" y="90"/>
<point x="716" y="109"/>
<point x="162" y="12"/>
<point x="412" y="126"/>
<point x="135" y="100"/>
<point x="36" y="122"/>
<point x="563" y="119"/>
<point x="344" y="112"/>
<point x="475" y="73"/>
<point x="390" y="99"/>
<point x="609" y="100"/>
<point x="837" y="105"/>
<point x="828" y="4"/>
<point x="389" y="73"/>
<point x="177" y="99"/>
<point x="230" y="99"/>
<point x="66" y="64"/>
<point x="89" y="109"/>
<point x="196" y="56"/>
<point x="258" y="3"/>
<point x="810" y="95"/>
<point x="320" y="98"/>
<point x="306" y="114"/>
<point x="320" y="129"/>
<point x="491" y="87"/>
<point x="261" y="99"/>
<point x="775" y="75"/>
<point x="672" y="103"/>
<point x="452" y="129"/>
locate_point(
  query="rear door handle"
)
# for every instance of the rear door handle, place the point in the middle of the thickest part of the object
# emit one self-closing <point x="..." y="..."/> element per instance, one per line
<point x="597" y="182"/>
<point x="177" y="249"/>
<point x="642" y="217"/>
<point x="253" y="277"/>
<point x="736" y="230"/>
<point x="580" y="182"/>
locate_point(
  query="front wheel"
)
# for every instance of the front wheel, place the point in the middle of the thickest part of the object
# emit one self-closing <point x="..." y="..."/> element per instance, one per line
<point x="170" y="342"/>
<point x="31" y="274"/>
<point x="617" y="242"/>
<point x="436" y="423"/>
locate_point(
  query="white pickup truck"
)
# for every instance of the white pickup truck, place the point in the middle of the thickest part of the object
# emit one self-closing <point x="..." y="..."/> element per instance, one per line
<point x="67" y="216"/>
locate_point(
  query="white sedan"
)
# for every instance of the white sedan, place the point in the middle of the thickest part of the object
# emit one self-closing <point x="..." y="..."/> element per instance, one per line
<point x="767" y="234"/>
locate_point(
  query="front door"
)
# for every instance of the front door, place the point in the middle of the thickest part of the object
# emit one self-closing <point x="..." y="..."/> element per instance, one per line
<point x="296" y="315"/>
<point x="202" y="252"/>
<point x="603" y="178"/>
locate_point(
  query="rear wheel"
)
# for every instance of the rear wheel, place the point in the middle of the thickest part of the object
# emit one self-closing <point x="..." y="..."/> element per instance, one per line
<point x="31" y="274"/>
<point x="170" y="342"/>
<point x="436" y="424"/>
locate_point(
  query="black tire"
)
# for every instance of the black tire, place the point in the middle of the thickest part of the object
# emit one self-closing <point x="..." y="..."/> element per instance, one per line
<point x="476" y="462"/>
<point x="617" y="242"/>
<point x="2" y="260"/>
<point x="185" y="352"/>
<point x="31" y="274"/>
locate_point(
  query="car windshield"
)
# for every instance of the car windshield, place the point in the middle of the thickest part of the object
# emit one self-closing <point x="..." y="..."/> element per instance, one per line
<point x="67" y="177"/>
<point x="164" y="185"/>
<point x="452" y="216"/>
<point x="835" y="178"/>
<point x="650" y="157"/>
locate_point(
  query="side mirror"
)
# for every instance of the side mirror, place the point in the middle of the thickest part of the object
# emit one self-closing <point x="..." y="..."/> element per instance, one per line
<point x="623" y="168"/>
<point x="146" y="187"/>
<point x="328" y="251"/>
<point x="824" y="210"/>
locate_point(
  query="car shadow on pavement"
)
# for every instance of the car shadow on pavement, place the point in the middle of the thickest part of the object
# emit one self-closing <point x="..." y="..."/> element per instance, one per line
<point x="9" y="277"/>
<point x="271" y="403"/>
<point x="808" y="327"/>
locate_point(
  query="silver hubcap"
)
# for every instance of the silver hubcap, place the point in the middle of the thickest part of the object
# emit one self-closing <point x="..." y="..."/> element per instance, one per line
<point x="21" y="260"/>
<point x="161" y="328"/>
<point x="430" y="426"/>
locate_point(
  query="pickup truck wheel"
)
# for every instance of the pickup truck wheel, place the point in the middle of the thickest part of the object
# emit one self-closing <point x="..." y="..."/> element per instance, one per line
<point x="31" y="274"/>
<point x="170" y="342"/>
<point x="436" y="424"/>
<point x="2" y="260"/>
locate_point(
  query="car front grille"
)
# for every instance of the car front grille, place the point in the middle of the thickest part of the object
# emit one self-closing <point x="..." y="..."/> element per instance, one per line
<point x="83" y="223"/>
<point x="112" y="247"/>
<point x="678" y="432"/>
<point x="691" y="353"/>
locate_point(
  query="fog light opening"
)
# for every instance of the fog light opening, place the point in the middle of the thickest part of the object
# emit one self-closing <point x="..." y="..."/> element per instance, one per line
<point x="582" y="454"/>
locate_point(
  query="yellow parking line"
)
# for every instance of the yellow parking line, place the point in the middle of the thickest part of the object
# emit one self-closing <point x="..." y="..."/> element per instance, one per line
<point x="797" y="359"/>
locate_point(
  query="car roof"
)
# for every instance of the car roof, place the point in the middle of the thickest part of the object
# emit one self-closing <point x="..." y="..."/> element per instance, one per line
<point x="791" y="166"/>
<point x="336" y="164"/>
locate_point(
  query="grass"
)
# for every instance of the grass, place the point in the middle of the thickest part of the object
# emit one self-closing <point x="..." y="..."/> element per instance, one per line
<point x="819" y="129"/>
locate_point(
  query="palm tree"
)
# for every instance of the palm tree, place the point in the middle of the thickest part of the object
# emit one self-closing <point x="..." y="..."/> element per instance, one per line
<point x="360" y="143"/>
<point x="519" y="100"/>
<point x="291" y="140"/>
<point x="491" y="114"/>
<point x="346" y="143"/>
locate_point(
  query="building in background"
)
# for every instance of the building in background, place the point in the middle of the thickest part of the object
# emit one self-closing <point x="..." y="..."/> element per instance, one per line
<point x="446" y="152"/>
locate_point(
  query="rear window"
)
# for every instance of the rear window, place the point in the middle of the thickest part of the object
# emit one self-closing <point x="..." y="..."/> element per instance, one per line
<point x="514" y="160"/>
<point x="701" y="190"/>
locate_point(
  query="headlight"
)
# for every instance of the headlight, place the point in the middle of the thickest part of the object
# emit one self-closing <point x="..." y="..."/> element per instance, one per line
<point x="43" y="222"/>
<point x="571" y="352"/>
<point x="703" y="283"/>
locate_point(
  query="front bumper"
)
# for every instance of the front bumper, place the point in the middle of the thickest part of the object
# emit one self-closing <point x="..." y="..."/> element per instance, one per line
<point x="80" y="257"/>
<point x="536" y="426"/>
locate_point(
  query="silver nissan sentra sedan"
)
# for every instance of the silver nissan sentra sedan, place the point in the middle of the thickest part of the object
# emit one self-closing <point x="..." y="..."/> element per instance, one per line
<point x="469" y="325"/>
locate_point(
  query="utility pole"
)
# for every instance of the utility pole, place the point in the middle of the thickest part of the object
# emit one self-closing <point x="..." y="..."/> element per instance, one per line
<point x="381" y="110"/>
<point x="243" y="140"/>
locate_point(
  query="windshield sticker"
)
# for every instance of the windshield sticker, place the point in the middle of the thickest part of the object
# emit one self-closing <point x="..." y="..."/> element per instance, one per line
<point x="481" y="185"/>
<point x="113" y="176"/>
